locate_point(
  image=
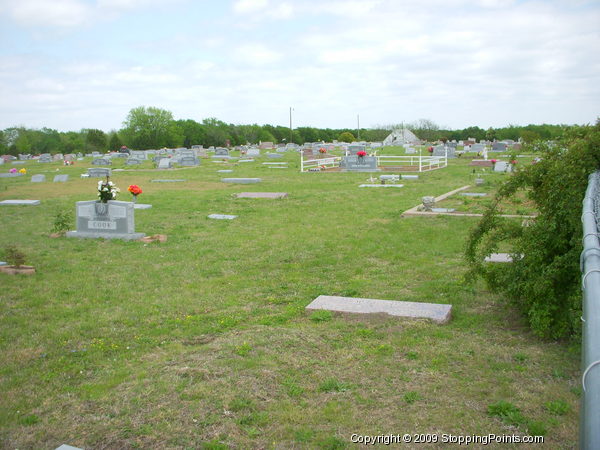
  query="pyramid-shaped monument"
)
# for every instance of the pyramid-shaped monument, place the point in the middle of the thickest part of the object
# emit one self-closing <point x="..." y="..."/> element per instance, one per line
<point x="400" y="136"/>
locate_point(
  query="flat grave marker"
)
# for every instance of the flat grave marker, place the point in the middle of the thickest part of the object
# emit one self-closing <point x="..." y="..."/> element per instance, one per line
<point x="20" y="202"/>
<point x="474" y="194"/>
<point x="61" y="178"/>
<point x="38" y="178"/>
<point x="167" y="181"/>
<point x="241" y="180"/>
<point x="382" y="185"/>
<point x="439" y="313"/>
<point x="221" y="216"/>
<point x="271" y="195"/>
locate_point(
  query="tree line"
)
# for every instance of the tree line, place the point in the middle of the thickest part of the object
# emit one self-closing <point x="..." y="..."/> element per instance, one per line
<point x="152" y="128"/>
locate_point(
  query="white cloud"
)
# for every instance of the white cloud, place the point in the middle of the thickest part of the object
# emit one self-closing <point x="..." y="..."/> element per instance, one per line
<point x="249" y="6"/>
<point x="57" y="13"/>
<point x="256" y="54"/>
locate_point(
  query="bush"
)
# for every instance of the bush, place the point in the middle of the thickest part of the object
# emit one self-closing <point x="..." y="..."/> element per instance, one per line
<point x="14" y="256"/>
<point x="545" y="282"/>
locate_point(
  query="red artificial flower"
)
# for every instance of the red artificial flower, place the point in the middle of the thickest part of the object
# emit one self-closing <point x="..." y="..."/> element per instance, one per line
<point x="322" y="150"/>
<point x="361" y="153"/>
<point x="494" y="161"/>
<point x="135" y="189"/>
<point x="513" y="162"/>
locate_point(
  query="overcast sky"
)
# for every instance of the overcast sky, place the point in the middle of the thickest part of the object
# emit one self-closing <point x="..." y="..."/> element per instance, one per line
<point x="72" y="64"/>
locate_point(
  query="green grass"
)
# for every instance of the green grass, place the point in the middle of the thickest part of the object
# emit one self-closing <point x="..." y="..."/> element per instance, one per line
<point x="203" y="341"/>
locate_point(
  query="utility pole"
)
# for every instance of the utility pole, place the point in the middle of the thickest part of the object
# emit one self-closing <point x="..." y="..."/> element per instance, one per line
<point x="291" y="133"/>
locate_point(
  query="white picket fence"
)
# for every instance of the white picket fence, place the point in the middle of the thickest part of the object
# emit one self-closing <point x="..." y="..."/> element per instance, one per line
<point x="412" y="163"/>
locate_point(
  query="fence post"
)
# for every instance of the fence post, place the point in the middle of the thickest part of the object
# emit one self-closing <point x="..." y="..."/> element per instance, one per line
<point x="589" y="431"/>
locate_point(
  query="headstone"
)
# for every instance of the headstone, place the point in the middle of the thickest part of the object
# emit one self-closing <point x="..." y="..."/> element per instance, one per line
<point x="45" y="158"/>
<point x="133" y="162"/>
<point x="120" y="155"/>
<point x="61" y="178"/>
<point x="499" y="146"/>
<point x="58" y="157"/>
<point x="11" y="175"/>
<point x="241" y="180"/>
<point x="221" y="151"/>
<point x="275" y="155"/>
<point x="439" y="313"/>
<point x="18" y="162"/>
<point x="391" y="178"/>
<point x="221" y="216"/>
<point x="410" y="151"/>
<point x="99" y="172"/>
<point x="202" y="153"/>
<point x="138" y="154"/>
<point x="502" y="166"/>
<point x="410" y="177"/>
<point x="164" y="163"/>
<point x="271" y="195"/>
<point x="359" y="164"/>
<point x="253" y="152"/>
<point x="38" y="178"/>
<point x="111" y="220"/>
<point x="141" y="206"/>
<point x="101" y="162"/>
<point x="189" y="161"/>
<point x="20" y="202"/>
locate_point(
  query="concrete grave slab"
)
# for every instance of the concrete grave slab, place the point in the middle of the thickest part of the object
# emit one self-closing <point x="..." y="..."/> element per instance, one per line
<point x="272" y="195"/>
<point x="499" y="258"/>
<point x="221" y="216"/>
<point x="241" y="180"/>
<point x="225" y="171"/>
<point x="474" y="194"/>
<point x="167" y="181"/>
<point x="20" y="202"/>
<point x="274" y="163"/>
<point x="246" y="160"/>
<point x="141" y="206"/>
<point x="443" y="210"/>
<point x="439" y="313"/>
<point x="410" y="177"/>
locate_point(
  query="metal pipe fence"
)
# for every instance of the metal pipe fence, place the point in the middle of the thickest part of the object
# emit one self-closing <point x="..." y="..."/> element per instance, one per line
<point x="590" y="267"/>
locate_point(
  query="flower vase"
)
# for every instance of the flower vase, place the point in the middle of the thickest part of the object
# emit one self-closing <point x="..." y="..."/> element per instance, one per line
<point x="134" y="198"/>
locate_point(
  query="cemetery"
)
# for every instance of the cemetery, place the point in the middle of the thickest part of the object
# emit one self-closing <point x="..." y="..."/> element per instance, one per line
<point x="269" y="308"/>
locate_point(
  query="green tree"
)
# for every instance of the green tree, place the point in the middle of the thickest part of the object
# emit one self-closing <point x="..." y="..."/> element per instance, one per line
<point x="95" y="140"/>
<point x="217" y="132"/>
<point x="150" y="127"/>
<point x="266" y="136"/>
<point x="346" y="136"/>
<point x="529" y="136"/>
<point x="114" y="141"/>
<point x="490" y="134"/>
<point x="425" y="129"/>
<point x="193" y="132"/>
<point x="545" y="283"/>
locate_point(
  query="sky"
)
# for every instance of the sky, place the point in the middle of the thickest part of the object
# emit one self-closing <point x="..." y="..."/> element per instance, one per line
<point x="73" y="64"/>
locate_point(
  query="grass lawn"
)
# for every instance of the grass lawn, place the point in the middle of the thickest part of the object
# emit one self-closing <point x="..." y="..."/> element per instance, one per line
<point x="203" y="341"/>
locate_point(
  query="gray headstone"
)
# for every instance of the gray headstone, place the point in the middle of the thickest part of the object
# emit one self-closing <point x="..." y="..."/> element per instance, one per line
<point x="221" y="216"/>
<point x="354" y="148"/>
<point x="45" y="158"/>
<point x="61" y="178"/>
<point x="164" y="163"/>
<point x="220" y="151"/>
<point x="253" y="152"/>
<point x="141" y="206"/>
<point x="101" y="162"/>
<point x="359" y="164"/>
<point x="271" y="195"/>
<point x="99" y="172"/>
<point x="241" y="180"/>
<point x="189" y="161"/>
<point x="275" y="155"/>
<point x="439" y="313"/>
<point x="111" y="220"/>
<point x="410" y="177"/>
<point x="133" y="162"/>
<point x="502" y="166"/>
<point x="10" y="175"/>
<point x="20" y="202"/>
<point x="38" y="178"/>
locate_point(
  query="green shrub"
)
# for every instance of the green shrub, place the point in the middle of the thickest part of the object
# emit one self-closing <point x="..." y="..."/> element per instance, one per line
<point x="545" y="283"/>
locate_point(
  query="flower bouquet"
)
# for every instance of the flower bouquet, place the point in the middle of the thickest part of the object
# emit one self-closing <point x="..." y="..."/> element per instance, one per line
<point x="361" y="154"/>
<point x="135" y="191"/>
<point x="107" y="190"/>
